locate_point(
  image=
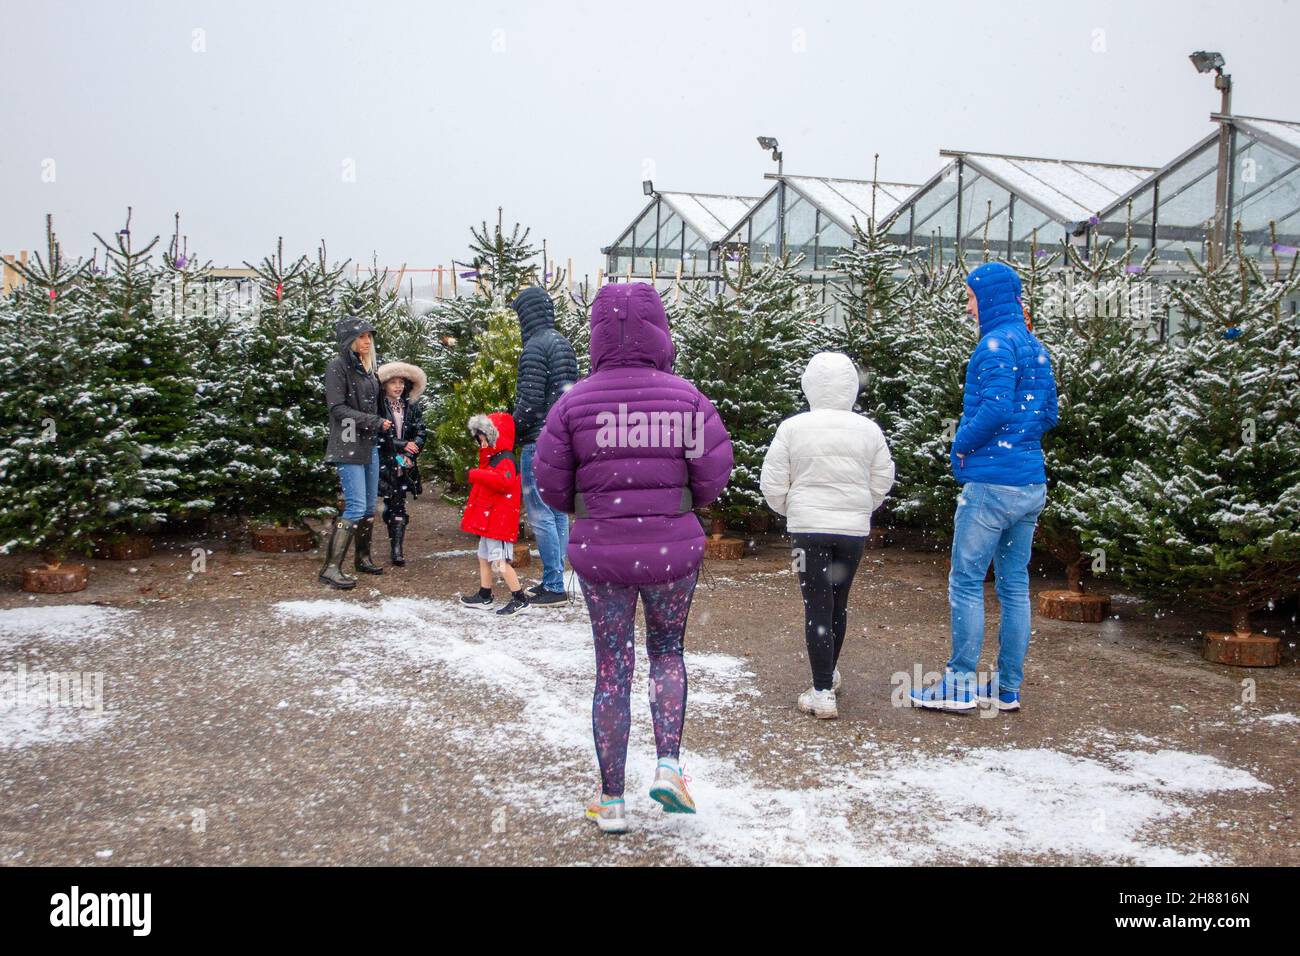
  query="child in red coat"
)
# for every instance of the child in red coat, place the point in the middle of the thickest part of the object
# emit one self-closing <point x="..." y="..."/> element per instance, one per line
<point x="492" y="512"/>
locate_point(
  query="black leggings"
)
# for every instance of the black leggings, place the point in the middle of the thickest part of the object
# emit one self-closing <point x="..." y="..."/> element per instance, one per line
<point x="826" y="565"/>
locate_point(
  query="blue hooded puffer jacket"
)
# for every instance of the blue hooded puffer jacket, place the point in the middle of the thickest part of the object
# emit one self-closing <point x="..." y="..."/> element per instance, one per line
<point x="1009" y="401"/>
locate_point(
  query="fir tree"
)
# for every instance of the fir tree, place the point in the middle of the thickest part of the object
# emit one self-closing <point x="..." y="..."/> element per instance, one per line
<point x="489" y="386"/>
<point x="936" y="338"/>
<point x="746" y="350"/>
<point x="152" y="373"/>
<point x="68" y="461"/>
<point x="282" y="421"/>
<point x="1109" y="378"/>
<point x="1210" y="514"/>
<point x="876" y="288"/>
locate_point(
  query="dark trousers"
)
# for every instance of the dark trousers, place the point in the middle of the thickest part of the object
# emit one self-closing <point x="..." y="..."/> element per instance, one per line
<point x="826" y="564"/>
<point x="395" y="506"/>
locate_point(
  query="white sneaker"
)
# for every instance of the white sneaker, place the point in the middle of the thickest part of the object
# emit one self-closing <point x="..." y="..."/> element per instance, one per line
<point x="835" y="681"/>
<point x="819" y="702"/>
<point x="609" y="814"/>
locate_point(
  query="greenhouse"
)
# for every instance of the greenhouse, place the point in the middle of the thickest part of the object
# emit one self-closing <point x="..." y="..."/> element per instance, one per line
<point x="812" y="217"/>
<point x="673" y="230"/>
<point x="1173" y="210"/>
<point x="1007" y="204"/>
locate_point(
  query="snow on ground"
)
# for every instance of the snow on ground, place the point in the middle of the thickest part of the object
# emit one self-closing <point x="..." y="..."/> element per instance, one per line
<point x="1281" y="719"/>
<point x="33" y="713"/>
<point x="891" y="806"/>
<point x="59" y="623"/>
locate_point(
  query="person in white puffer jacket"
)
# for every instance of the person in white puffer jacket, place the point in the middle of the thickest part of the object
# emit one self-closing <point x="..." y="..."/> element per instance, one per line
<point x="826" y="471"/>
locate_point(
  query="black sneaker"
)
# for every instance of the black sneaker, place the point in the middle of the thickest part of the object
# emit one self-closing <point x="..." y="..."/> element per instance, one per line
<point x="513" y="607"/>
<point x="478" y="600"/>
<point x="545" y="598"/>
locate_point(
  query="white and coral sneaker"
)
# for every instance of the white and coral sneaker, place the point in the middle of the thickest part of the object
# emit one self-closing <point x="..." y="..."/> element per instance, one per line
<point x="610" y="813"/>
<point x="820" y="703"/>
<point x="669" y="789"/>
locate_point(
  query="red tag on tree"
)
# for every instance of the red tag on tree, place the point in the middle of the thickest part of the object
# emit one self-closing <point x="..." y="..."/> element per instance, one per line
<point x="279" y="291"/>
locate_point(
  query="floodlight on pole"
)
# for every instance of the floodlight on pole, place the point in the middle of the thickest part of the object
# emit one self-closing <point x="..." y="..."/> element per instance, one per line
<point x="1206" y="61"/>
<point x="647" y="187"/>
<point x="769" y="142"/>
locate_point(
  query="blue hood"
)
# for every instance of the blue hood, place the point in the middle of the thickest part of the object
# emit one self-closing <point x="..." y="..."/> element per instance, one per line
<point x="997" y="290"/>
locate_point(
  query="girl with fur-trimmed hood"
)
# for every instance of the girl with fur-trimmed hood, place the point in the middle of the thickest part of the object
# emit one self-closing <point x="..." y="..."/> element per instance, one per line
<point x="401" y="385"/>
<point x="492" y="512"/>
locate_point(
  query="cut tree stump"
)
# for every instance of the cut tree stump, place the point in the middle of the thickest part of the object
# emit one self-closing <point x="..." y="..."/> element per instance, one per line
<point x="282" y="540"/>
<point x="724" y="549"/>
<point x="64" y="579"/>
<point x="1081" y="606"/>
<point x="132" y="547"/>
<point x="1242" y="650"/>
<point x="523" y="556"/>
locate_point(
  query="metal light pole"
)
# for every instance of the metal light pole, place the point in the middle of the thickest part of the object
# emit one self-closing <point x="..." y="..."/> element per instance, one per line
<point x="1205" y="61"/>
<point x="769" y="142"/>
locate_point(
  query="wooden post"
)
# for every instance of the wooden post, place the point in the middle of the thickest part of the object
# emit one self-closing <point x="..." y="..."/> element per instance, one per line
<point x="600" y="278"/>
<point x="10" y="275"/>
<point x="439" y="282"/>
<point x="677" y="283"/>
<point x="453" y="279"/>
<point x="654" y="271"/>
<point x="400" y="275"/>
<point x="569" y="274"/>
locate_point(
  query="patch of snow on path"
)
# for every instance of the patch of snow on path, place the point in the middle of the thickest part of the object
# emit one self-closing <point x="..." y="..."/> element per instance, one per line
<point x="59" y="623"/>
<point x="31" y="718"/>
<point x="901" y="807"/>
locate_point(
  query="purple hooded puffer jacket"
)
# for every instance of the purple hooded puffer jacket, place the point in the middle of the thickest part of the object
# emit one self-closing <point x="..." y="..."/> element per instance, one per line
<point x="623" y="446"/>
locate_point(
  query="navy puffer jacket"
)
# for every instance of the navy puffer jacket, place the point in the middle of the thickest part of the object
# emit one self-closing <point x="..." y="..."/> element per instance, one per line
<point x="1009" y="401"/>
<point x="547" y="365"/>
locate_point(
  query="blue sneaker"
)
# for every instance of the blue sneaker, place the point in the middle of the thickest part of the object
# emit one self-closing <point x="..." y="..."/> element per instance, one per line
<point x="1004" y="699"/>
<point x="945" y="694"/>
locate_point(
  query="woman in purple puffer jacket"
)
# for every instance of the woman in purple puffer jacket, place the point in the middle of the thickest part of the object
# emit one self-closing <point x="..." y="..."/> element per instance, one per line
<point x="630" y="450"/>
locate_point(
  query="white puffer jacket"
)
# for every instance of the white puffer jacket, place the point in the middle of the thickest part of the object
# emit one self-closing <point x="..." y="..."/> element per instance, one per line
<point x="829" y="468"/>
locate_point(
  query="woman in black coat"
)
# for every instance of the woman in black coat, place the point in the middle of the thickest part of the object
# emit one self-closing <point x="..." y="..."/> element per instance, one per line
<point x="356" y="429"/>
<point x="401" y="444"/>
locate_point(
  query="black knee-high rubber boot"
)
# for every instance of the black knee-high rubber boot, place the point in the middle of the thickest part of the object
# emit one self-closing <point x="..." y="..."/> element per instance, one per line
<point x="364" y="563"/>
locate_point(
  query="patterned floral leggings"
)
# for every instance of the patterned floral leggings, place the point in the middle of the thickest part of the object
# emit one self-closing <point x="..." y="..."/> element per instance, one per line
<point x="613" y="628"/>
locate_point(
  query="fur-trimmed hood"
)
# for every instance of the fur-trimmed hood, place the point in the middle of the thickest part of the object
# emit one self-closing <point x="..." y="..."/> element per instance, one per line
<point x="416" y="380"/>
<point x="499" y="428"/>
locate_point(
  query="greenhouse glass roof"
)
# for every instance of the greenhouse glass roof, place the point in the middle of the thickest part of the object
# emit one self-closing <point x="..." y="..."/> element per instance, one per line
<point x="818" y="218"/>
<point x="1067" y="190"/>
<point x="708" y="214"/>
<point x="1172" y="211"/>
<point x="674" y="231"/>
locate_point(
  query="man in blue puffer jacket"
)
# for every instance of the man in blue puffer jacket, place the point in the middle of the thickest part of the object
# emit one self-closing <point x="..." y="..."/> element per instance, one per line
<point x="1009" y="403"/>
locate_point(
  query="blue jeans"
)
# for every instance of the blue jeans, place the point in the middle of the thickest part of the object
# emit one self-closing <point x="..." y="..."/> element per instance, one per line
<point x="360" y="488"/>
<point x="993" y="523"/>
<point x="550" y="527"/>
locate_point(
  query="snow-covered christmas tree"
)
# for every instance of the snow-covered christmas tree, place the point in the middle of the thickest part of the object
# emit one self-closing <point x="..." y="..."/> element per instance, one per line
<point x="1110" y="375"/>
<point x="489" y="386"/>
<point x="68" y="459"/>
<point x="503" y="263"/>
<point x="281" y="421"/>
<point x="1209" y="515"/>
<point x="933" y="343"/>
<point x="746" y="350"/>
<point x="152" y="373"/>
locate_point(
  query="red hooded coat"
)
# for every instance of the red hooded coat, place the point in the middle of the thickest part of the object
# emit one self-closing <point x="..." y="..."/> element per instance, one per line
<point x="495" y="491"/>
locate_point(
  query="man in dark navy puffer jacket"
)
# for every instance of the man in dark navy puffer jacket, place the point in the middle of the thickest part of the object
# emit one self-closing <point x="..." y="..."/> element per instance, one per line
<point x="1009" y="403"/>
<point x="547" y="367"/>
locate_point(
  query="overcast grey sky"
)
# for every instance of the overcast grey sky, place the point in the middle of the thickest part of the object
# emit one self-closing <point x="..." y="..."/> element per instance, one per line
<point x="558" y="110"/>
